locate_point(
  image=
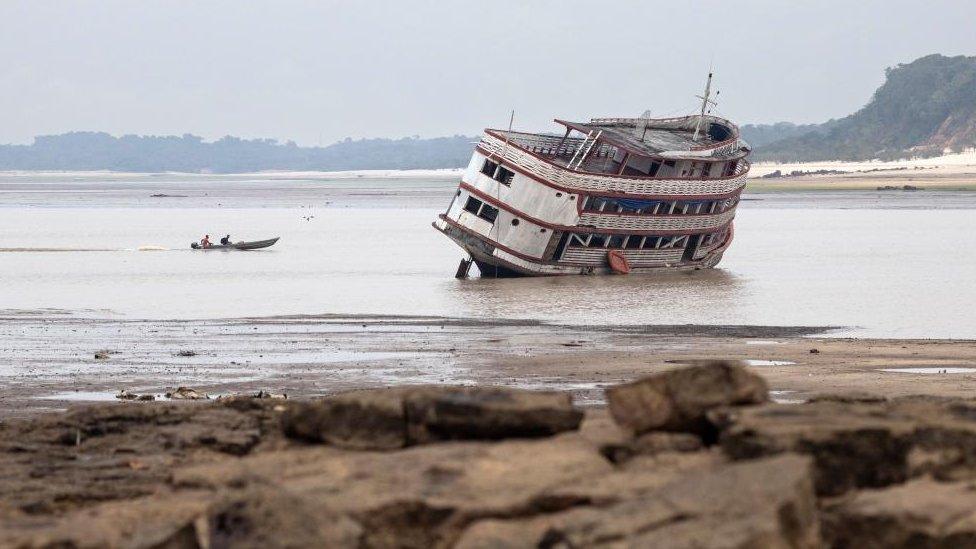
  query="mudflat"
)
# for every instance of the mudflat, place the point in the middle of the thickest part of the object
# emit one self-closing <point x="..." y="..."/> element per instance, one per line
<point x="51" y="360"/>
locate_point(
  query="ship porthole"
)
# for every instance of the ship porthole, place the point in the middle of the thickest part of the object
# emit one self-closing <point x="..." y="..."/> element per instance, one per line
<point x="542" y="230"/>
<point x="558" y="195"/>
<point x="515" y="222"/>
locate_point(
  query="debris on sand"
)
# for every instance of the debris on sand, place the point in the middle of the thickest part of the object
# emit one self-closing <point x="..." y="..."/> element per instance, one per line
<point x="104" y="354"/>
<point x="186" y="393"/>
<point x="126" y="394"/>
<point x="261" y="395"/>
<point x="268" y="394"/>
<point x="186" y="352"/>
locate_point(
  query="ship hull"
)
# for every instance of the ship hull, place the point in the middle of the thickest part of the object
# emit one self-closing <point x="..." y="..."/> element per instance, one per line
<point x="493" y="261"/>
<point x="538" y="205"/>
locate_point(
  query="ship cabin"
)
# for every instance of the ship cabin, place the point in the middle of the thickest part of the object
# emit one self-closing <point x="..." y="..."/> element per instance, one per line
<point x="661" y="193"/>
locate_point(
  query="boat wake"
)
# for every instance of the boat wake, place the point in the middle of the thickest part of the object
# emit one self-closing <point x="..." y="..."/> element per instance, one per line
<point x="59" y="249"/>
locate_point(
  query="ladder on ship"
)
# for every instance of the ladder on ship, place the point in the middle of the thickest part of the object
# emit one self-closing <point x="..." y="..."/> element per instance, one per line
<point x="585" y="147"/>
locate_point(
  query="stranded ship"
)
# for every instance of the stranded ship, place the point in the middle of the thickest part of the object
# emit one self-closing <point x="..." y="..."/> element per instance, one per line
<point x="609" y="195"/>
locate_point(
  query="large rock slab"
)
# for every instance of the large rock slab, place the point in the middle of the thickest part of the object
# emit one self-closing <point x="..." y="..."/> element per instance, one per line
<point x="387" y="419"/>
<point x="422" y="496"/>
<point x="119" y="451"/>
<point x="255" y="516"/>
<point x="358" y="420"/>
<point x="920" y="513"/>
<point x="678" y="400"/>
<point x="862" y="444"/>
<point x="763" y="503"/>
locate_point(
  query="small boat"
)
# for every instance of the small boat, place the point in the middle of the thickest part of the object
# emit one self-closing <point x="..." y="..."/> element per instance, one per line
<point x="253" y="245"/>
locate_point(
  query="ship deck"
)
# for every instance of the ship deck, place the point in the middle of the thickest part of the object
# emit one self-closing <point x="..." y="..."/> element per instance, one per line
<point x="654" y="139"/>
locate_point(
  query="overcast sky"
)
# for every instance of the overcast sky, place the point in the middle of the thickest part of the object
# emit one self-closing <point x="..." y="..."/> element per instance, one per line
<point x="319" y="71"/>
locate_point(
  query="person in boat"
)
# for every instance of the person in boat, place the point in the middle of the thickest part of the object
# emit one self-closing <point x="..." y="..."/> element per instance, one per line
<point x="205" y="241"/>
<point x="225" y="240"/>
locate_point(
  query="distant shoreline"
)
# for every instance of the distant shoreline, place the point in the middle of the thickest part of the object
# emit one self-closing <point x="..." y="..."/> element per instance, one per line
<point x="446" y="173"/>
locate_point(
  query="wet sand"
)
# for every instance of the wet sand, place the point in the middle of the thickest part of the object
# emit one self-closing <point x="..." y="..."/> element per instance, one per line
<point x="47" y="358"/>
<point x="960" y="178"/>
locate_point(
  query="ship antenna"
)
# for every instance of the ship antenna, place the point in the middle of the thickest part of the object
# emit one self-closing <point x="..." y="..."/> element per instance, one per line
<point x="706" y="101"/>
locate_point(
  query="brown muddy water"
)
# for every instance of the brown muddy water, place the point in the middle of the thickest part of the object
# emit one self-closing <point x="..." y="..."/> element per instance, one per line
<point x="891" y="265"/>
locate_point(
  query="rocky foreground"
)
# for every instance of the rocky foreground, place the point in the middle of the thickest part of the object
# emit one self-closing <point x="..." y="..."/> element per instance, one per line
<point x="695" y="457"/>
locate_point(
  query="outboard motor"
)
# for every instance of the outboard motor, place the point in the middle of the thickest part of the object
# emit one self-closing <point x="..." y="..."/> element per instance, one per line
<point x="194" y="245"/>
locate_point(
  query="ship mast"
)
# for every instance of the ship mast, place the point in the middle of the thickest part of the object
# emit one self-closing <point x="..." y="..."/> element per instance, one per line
<point x="706" y="101"/>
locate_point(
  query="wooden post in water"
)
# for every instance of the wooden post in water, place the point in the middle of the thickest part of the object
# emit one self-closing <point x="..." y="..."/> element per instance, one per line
<point x="463" y="268"/>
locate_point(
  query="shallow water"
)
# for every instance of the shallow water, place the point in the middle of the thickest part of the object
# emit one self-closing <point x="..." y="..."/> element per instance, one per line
<point x="935" y="370"/>
<point x="881" y="264"/>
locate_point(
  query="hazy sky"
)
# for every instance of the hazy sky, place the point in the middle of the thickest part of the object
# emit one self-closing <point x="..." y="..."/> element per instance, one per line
<point x="319" y="71"/>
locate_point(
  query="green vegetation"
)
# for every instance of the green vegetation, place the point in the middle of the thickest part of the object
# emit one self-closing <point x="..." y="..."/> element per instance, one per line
<point x="922" y="109"/>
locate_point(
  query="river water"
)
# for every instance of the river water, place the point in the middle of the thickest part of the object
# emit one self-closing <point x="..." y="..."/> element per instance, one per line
<point x="879" y="264"/>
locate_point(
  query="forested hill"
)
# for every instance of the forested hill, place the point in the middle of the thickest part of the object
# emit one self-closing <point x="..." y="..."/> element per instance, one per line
<point x="189" y="153"/>
<point x="923" y="108"/>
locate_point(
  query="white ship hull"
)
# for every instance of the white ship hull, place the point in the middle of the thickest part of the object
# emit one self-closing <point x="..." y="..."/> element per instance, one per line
<point x="531" y="204"/>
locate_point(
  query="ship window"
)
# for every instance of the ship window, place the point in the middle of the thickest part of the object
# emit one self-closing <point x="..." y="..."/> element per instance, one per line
<point x="515" y="223"/>
<point x="634" y="242"/>
<point x="489" y="168"/>
<point x="473" y="205"/>
<point x="669" y="163"/>
<point x="488" y="213"/>
<point x="616" y="241"/>
<point x="597" y="241"/>
<point x="504" y="176"/>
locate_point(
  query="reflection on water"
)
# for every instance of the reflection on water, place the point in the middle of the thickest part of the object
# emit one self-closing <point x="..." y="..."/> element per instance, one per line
<point x="885" y="265"/>
<point x="606" y="299"/>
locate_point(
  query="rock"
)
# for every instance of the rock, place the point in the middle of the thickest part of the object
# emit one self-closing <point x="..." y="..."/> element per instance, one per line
<point x="919" y="513"/>
<point x="146" y="398"/>
<point x="677" y="400"/>
<point x="186" y="393"/>
<point x="814" y="351"/>
<point x="651" y="444"/>
<point x="487" y="413"/>
<point x="394" y="418"/>
<point x="359" y="420"/>
<point x="763" y="503"/>
<point x="269" y="516"/>
<point x="849" y="397"/>
<point x="104" y="354"/>
<point x="421" y="496"/>
<point x="186" y="352"/>
<point x="863" y="444"/>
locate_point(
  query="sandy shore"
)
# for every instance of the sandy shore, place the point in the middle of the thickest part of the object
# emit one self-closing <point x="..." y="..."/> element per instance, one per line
<point x="48" y="359"/>
<point x="949" y="172"/>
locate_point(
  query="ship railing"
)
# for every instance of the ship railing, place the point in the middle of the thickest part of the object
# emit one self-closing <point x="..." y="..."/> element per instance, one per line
<point x="554" y="145"/>
<point x="539" y="166"/>
<point x="655" y="223"/>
